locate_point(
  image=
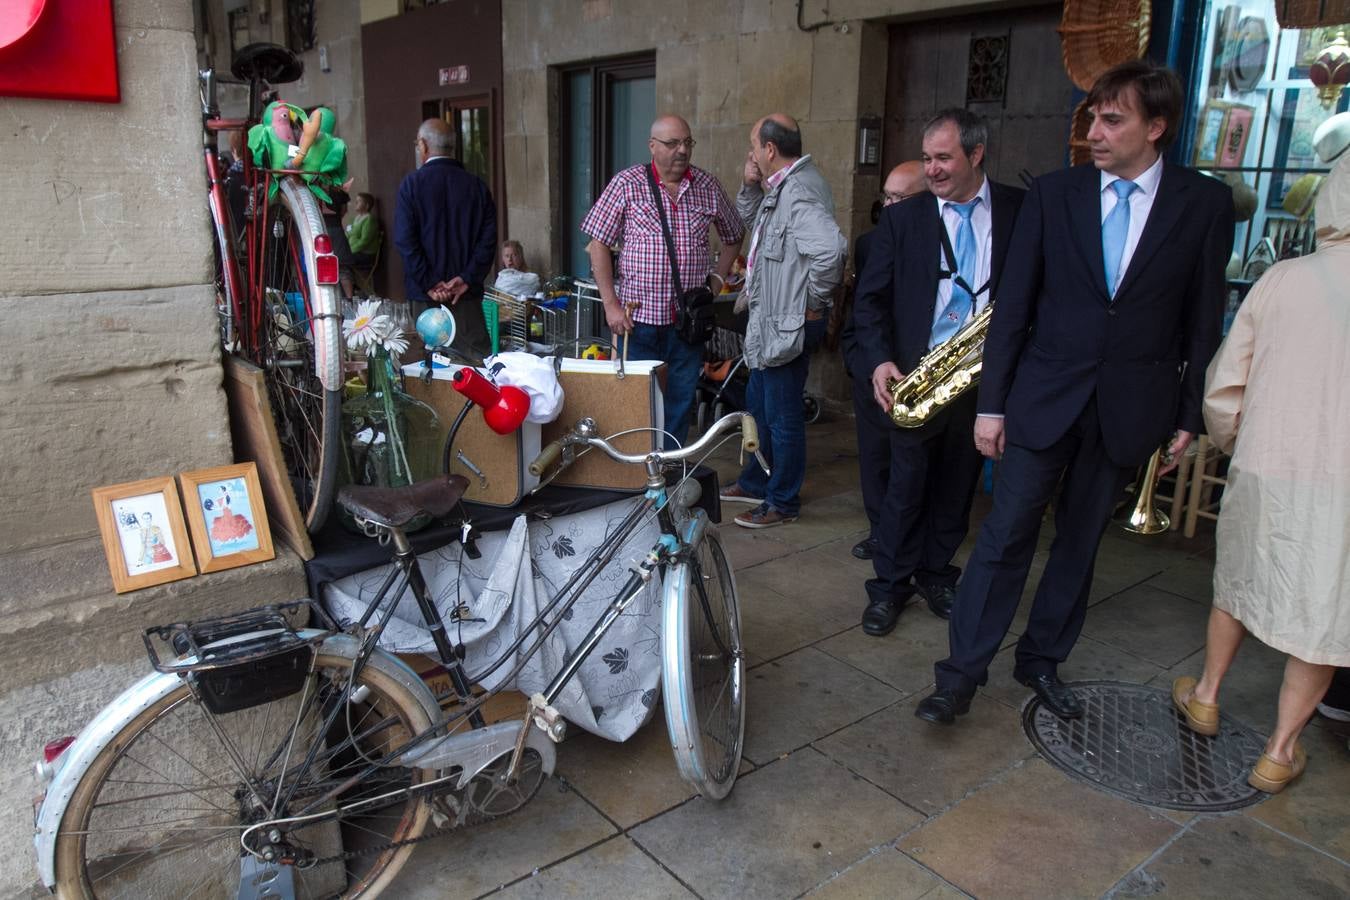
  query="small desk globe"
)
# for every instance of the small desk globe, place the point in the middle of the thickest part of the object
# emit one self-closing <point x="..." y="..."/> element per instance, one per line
<point x="436" y="327"/>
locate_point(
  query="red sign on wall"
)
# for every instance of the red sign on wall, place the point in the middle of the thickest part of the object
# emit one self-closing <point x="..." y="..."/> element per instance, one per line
<point x="59" y="49"/>
<point x="455" y="75"/>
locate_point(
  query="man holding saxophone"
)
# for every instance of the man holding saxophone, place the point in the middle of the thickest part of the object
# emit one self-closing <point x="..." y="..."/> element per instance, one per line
<point x="934" y="261"/>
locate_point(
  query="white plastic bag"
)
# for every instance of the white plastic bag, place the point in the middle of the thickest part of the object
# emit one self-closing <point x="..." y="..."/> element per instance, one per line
<point x="535" y="376"/>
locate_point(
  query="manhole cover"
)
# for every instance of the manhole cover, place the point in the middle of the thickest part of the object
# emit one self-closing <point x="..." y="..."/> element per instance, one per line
<point x="1131" y="742"/>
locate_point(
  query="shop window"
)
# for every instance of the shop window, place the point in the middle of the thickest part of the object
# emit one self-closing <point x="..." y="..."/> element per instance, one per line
<point x="605" y="115"/>
<point x="1255" y="111"/>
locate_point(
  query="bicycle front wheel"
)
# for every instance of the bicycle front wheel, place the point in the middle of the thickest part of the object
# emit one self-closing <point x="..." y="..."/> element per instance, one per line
<point x="297" y="344"/>
<point x="703" y="665"/>
<point x="161" y="811"/>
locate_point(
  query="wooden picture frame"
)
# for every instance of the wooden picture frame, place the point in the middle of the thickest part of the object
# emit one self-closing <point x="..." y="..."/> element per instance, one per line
<point x="144" y="537"/>
<point x="254" y="433"/>
<point x="227" y="516"/>
<point x="1237" y="128"/>
<point x="1209" y="134"/>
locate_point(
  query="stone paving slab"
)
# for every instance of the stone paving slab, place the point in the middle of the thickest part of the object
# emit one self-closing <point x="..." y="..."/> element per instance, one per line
<point x="556" y="824"/>
<point x="886" y="873"/>
<point x="785" y="829"/>
<point x="1251" y="689"/>
<point x="629" y="781"/>
<point x="804" y="696"/>
<point x="773" y="624"/>
<point x="1091" y="660"/>
<point x="904" y="658"/>
<point x="615" y="868"/>
<point x="1149" y="623"/>
<point x="930" y="766"/>
<point x="1036" y="834"/>
<point x="1234" y="858"/>
<point x="1316" y="808"/>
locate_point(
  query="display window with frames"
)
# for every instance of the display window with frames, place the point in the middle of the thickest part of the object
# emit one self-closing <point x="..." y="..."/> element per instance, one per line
<point x="1254" y="113"/>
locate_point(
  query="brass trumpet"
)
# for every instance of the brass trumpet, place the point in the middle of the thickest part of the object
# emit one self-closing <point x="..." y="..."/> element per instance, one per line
<point x="1145" y="518"/>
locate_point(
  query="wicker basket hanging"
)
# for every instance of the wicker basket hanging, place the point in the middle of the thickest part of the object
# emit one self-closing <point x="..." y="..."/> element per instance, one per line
<point x="1311" y="13"/>
<point x="1079" y="150"/>
<point x="1098" y="34"/>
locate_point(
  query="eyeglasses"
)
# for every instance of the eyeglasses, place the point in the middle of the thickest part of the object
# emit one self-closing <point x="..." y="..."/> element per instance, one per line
<point x="892" y="197"/>
<point x="687" y="143"/>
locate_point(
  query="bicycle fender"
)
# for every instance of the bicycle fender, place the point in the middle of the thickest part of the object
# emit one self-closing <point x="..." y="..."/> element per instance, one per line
<point x="327" y="315"/>
<point x="674" y="651"/>
<point x="104" y="728"/>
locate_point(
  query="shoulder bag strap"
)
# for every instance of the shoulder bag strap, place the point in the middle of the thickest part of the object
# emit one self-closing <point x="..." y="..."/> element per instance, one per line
<point x="950" y="257"/>
<point x="665" y="229"/>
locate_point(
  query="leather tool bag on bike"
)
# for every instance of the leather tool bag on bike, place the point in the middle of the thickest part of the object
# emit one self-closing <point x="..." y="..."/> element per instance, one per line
<point x="694" y="315"/>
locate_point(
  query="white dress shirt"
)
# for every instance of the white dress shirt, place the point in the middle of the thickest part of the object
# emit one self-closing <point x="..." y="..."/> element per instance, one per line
<point x="1141" y="201"/>
<point x="982" y="222"/>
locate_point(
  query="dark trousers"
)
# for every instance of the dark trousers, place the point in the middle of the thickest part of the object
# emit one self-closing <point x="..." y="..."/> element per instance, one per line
<point x="874" y="451"/>
<point x="990" y="592"/>
<point x="926" y="511"/>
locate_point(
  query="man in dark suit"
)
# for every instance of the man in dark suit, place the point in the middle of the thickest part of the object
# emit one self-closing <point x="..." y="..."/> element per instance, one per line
<point x="918" y="290"/>
<point x="873" y="427"/>
<point x="445" y="228"/>
<point x="1106" y="319"/>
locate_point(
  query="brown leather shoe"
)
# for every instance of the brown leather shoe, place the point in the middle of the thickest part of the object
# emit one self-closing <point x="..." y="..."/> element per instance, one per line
<point x="1202" y="718"/>
<point x="763" y="516"/>
<point x="1272" y="777"/>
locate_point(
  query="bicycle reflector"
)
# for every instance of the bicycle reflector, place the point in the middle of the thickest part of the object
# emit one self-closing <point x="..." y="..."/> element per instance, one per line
<point x="325" y="263"/>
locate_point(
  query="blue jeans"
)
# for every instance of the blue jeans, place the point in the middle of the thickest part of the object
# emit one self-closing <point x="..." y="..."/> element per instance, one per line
<point x="774" y="398"/>
<point x="683" y="364"/>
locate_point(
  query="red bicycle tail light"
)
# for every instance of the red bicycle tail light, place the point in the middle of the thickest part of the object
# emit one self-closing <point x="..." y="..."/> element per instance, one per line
<point x="323" y="244"/>
<point x="55" y="748"/>
<point x="326" y="268"/>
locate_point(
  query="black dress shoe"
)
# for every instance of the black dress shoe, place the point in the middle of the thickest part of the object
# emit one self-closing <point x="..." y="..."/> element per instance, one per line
<point x="1057" y="696"/>
<point x="865" y="549"/>
<point x="939" y="597"/>
<point x="880" y="617"/>
<point x="943" y="706"/>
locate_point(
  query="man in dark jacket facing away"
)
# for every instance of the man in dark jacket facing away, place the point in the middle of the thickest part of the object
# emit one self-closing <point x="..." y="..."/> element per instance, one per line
<point x="445" y="228"/>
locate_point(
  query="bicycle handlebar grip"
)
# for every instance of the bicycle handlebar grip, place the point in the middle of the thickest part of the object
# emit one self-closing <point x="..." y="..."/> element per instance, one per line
<point x="749" y="434"/>
<point x="546" y="458"/>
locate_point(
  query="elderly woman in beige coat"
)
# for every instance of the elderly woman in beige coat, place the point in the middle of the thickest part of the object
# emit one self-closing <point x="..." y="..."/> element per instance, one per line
<point x="1278" y="399"/>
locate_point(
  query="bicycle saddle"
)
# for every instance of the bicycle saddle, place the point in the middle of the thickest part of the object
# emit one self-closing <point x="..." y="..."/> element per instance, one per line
<point x="267" y="62"/>
<point x="394" y="507"/>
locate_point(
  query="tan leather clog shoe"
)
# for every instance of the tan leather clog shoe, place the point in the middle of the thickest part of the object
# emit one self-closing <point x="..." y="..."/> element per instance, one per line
<point x="1202" y="718"/>
<point x="1272" y="777"/>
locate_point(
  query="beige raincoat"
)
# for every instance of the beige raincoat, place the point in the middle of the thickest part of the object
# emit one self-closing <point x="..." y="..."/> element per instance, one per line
<point x="1277" y="398"/>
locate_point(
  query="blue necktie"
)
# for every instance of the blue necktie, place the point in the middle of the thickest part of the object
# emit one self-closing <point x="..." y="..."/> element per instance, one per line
<point x="1115" y="229"/>
<point x="958" y="307"/>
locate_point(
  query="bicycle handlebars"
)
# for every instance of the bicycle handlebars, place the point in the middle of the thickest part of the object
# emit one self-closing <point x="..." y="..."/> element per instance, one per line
<point x="584" y="433"/>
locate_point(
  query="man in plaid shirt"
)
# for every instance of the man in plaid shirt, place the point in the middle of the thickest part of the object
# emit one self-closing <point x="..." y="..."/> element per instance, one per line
<point x="640" y="302"/>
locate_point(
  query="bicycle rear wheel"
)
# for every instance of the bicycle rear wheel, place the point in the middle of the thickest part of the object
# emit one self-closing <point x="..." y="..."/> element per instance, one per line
<point x="161" y="810"/>
<point x="296" y="341"/>
<point x="703" y="665"/>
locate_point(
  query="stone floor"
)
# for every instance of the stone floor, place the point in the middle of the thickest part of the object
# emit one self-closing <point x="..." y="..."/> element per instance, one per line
<point x="845" y="794"/>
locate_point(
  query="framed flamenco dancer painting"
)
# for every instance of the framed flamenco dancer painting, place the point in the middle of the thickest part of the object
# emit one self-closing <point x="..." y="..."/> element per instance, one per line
<point x="141" y="523"/>
<point x="226" y="516"/>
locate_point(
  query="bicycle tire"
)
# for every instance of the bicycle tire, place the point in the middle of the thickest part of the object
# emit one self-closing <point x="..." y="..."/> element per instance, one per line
<point x="117" y="799"/>
<point x="703" y="664"/>
<point x="297" y="344"/>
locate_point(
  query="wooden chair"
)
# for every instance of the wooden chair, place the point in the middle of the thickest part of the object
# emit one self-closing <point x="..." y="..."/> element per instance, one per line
<point x="364" y="276"/>
<point x="1201" y="502"/>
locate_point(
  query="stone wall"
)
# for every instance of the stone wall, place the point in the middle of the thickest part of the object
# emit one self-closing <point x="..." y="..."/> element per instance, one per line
<point x="111" y="373"/>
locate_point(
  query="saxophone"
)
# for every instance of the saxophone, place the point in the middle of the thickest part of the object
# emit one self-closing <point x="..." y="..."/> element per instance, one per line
<point x="944" y="373"/>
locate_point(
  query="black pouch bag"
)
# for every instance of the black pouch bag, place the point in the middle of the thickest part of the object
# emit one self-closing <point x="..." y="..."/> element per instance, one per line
<point x="694" y="313"/>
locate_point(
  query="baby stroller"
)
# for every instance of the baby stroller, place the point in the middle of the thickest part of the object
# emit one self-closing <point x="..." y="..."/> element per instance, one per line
<point x="722" y="383"/>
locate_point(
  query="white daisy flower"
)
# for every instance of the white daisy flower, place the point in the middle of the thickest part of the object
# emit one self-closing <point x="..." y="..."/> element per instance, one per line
<point x="396" y="344"/>
<point x="367" y="327"/>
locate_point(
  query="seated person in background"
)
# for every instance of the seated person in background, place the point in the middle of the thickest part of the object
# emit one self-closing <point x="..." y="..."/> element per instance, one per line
<point x="363" y="231"/>
<point x="513" y="275"/>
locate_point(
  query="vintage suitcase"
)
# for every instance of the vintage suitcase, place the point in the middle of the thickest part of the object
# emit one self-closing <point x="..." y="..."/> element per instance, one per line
<point x="495" y="464"/>
<point x="591" y="388"/>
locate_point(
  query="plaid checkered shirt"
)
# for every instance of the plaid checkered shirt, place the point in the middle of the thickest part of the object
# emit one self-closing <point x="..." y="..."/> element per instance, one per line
<point x="626" y="214"/>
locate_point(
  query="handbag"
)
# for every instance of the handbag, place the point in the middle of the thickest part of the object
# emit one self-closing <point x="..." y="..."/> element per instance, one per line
<point x="694" y="314"/>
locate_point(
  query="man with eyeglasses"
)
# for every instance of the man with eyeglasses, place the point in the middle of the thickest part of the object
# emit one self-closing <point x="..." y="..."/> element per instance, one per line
<point x="640" y="298"/>
<point x="873" y="426"/>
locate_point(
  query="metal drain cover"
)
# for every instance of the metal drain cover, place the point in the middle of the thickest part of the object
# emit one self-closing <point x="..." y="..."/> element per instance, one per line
<point x="1132" y="743"/>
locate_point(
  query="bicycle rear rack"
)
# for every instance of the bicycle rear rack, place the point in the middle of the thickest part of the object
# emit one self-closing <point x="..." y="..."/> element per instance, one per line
<point x="242" y="659"/>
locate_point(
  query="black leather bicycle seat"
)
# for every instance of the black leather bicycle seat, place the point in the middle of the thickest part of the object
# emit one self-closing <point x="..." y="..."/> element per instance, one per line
<point x="394" y="507"/>
<point x="267" y="62"/>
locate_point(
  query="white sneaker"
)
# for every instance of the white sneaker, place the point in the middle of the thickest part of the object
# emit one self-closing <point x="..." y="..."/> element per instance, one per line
<point x="1331" y="712"/>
